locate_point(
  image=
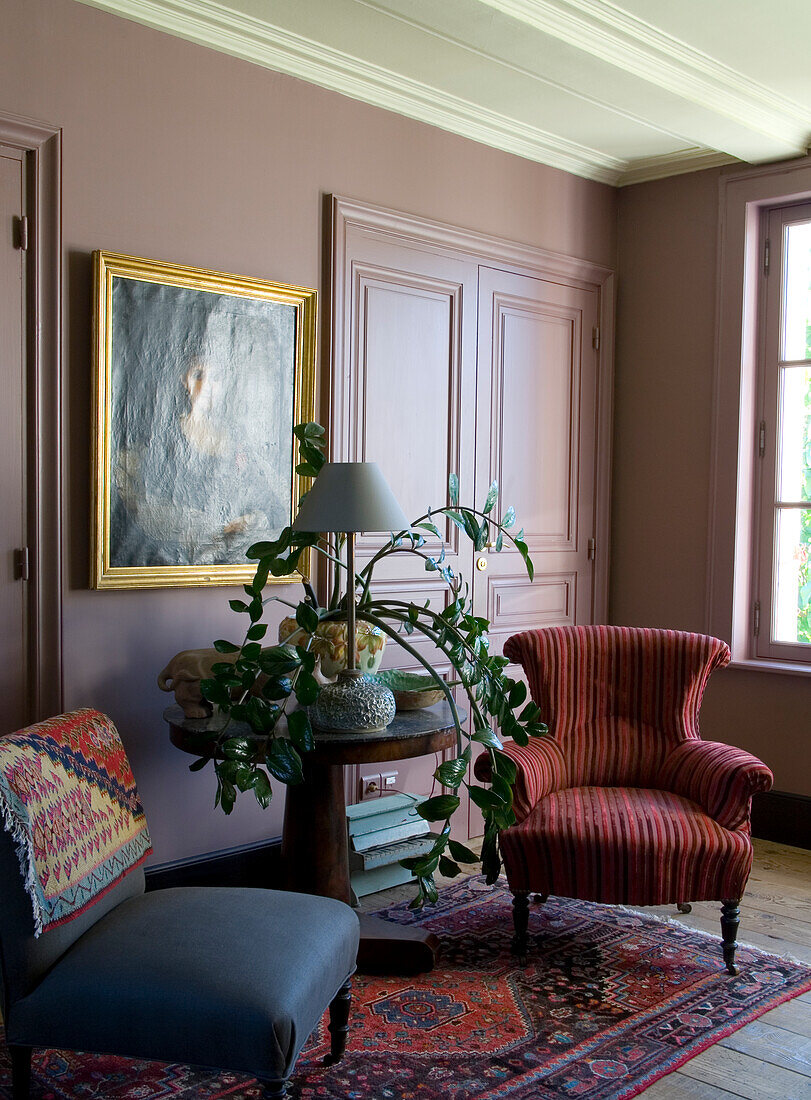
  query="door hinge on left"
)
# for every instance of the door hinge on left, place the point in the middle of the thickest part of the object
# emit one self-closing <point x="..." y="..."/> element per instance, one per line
<point x="22" y="233"/>
<point x="22" y="570"/>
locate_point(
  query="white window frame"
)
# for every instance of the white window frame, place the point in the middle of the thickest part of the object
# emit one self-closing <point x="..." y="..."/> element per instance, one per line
<point x="735" y="554"/>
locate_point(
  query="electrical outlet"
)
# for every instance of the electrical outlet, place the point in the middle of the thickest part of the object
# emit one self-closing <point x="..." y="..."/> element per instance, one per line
<point x="370" y="786"/>
<point x="388" y="781"/>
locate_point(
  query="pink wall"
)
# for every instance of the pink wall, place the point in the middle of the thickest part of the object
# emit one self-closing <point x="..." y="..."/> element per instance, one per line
<point x="667" y="243"/>
<point x="178" y="153"/>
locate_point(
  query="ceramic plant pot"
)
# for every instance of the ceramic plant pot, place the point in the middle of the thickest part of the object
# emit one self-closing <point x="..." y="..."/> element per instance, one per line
<point x="330" y="644"/>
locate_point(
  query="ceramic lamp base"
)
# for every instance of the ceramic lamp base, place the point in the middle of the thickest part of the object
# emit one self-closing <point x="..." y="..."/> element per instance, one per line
<point x="355" y="703"/>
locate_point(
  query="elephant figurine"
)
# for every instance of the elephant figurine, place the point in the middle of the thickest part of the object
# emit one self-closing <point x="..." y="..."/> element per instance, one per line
<point x="183" y="675"/>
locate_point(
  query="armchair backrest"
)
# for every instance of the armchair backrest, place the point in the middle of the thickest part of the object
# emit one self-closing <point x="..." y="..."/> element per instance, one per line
<point x="72" y="839"/>
<point x="617" y="699"/>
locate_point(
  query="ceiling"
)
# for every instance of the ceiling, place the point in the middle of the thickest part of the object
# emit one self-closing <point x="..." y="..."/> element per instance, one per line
<point x="618" y="94"/>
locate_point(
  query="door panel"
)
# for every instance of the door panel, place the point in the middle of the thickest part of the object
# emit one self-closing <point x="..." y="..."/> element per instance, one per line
<point x="537" y="400"/>
<point x="537" y="437"/>
<point x="404" y="397"/>
<point x="13" y="637"/>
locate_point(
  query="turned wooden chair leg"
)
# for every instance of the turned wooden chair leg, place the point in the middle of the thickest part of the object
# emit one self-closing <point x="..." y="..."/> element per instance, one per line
<point x="339" y="1024"/>
<point x="20" y="1072"/>
<point x="684" y="906"/>
<point x="520" y="940"/>
<point x="730" y="920"/>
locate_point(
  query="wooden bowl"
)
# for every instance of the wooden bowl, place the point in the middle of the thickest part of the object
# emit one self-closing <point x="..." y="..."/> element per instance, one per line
<point x="411" y="690"/>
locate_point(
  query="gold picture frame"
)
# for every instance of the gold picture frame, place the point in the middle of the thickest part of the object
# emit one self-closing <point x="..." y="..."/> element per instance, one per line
<point x="199" y="377"/>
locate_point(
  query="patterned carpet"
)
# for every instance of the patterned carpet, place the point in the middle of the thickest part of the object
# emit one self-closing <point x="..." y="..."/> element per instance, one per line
<point x="609" y="1002"/>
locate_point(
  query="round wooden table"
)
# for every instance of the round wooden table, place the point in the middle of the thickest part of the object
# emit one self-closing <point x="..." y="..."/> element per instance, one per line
<point x="314" y="842"/>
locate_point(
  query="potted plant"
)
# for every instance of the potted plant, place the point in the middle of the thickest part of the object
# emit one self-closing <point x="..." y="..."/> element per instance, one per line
<point x="258" y="685"/>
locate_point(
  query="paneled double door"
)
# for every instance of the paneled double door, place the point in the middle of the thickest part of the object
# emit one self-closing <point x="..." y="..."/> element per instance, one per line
<point x="449" y="361"/>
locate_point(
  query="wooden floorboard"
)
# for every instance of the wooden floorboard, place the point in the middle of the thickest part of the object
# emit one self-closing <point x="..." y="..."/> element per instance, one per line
<point x="769" y="1059"/>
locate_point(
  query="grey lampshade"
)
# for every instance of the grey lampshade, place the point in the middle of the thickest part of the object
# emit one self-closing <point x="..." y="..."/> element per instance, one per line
<point x="350" y="496"/>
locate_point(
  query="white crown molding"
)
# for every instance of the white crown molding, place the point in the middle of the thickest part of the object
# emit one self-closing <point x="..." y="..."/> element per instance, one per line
<point x="672" y="164"/>
<point x="620" y="39"/>
<point x="212" y="24"/>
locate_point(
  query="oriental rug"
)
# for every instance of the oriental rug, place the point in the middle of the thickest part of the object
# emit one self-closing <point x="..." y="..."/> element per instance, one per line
<point x="609" y="1001"/>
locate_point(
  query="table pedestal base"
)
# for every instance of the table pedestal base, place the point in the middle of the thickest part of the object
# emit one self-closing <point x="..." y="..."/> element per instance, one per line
<point x="399" y="949"/>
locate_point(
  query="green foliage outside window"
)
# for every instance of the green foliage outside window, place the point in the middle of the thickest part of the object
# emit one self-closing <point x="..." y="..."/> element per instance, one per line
<point x="804" y="587"/>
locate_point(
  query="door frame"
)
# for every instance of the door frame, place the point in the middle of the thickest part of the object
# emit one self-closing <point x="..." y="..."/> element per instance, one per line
<point x="41" y="145"/>
<point x="493" y="251"/>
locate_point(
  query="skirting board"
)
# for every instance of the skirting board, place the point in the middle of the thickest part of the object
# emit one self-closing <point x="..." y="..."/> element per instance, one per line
<point x="782" y="817"/>
<point x="248" y="865"/>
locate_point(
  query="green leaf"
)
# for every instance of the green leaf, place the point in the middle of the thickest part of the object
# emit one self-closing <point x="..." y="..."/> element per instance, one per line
<point x="261" y="788"/>
<point x="277" y="689"/>
<point x="499" y="541"/>
<point x="522" y="548"/>
<point x="460" y="853"/>
<point x="428" y="526"/>
<point x="486" y="736"/>
<point x="238" y="748"/>
<point x="452" y="772"/>
<point x="502" y="788"/>
<point x="429" y="889"/>
<point x="438" y="808"/>
<point x="257" y="632"/>
<point x="309" y="430"/>
<point x="284" y="762"/>
<point x="300" y="730"/>
<point x="307" y="617"/>
<point x="228" y="795"/>
<point x="225" y="647"/>
<point x="306" y="688"/>
<point x="215" y="692"/>
<point x="484" y="799"/>
<point x="492" y="497"/>
<point x="508" y="519"/>
<point x="506" y="766"/>
<point x="278" y="660"/>
<point x="238" y="605"/>
<point x="448" y="868"/>
<point x="453" y="490"/>
<point x="518" y="693"/>
<point x="198" y="764"/>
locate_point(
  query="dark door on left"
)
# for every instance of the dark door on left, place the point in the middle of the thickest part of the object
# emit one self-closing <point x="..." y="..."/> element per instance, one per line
<point x="14" y="640"/>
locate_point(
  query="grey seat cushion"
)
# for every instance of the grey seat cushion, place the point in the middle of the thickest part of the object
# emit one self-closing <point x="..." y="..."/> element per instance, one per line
<point x="228" y="978"/>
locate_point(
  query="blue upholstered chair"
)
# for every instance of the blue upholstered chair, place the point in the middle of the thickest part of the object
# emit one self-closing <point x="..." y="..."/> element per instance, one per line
<point x="231" y="979"/>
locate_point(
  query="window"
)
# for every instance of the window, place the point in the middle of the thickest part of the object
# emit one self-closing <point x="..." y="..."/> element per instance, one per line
<point x="760" y="495"/>
<point x="781" y="621"/>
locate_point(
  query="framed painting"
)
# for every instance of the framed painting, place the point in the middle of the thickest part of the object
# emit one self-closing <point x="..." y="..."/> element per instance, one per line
<point x="199" y="379"/>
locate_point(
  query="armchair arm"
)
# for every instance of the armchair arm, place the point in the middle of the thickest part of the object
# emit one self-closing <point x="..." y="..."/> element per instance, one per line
<point x="719" y="777"/>
<point x="541" y="770"/>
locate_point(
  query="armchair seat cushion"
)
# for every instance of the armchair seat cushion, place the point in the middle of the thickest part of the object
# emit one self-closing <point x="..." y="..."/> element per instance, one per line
<point x="174" y="975"/>
<point x="625" y="845"/>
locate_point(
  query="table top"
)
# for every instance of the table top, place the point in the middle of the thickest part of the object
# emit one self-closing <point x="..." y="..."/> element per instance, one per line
<point x="411" y="733"/>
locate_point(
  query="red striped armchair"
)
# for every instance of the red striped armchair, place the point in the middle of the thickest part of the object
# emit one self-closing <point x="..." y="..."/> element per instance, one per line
<point x="624" y="803"/>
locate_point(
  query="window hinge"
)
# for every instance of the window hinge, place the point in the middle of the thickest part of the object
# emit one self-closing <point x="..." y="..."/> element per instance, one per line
<point x="767" y="249"/>
<point x="595" y="338"/>
<point x="21" y="566"/>
<point x="22" y="233"/>
<point x="761" y="444"/>
<point x="592" y="549"/>
<point x="756" y="618"/>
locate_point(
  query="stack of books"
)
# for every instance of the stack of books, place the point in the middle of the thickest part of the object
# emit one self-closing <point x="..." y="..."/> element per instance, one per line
<point x="383" y="831"/>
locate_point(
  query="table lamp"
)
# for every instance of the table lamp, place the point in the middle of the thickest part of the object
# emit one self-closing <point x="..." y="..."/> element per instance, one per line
<point x="348" y="497"/>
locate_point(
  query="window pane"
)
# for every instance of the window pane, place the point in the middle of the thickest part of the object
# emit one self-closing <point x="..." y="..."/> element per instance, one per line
<point x="792" y="596"/>
<point x="795" y="435"/>
<point x="797" y="293"/>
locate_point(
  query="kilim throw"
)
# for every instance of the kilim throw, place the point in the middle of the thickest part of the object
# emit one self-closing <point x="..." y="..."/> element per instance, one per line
<point x="68" y="798"/>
